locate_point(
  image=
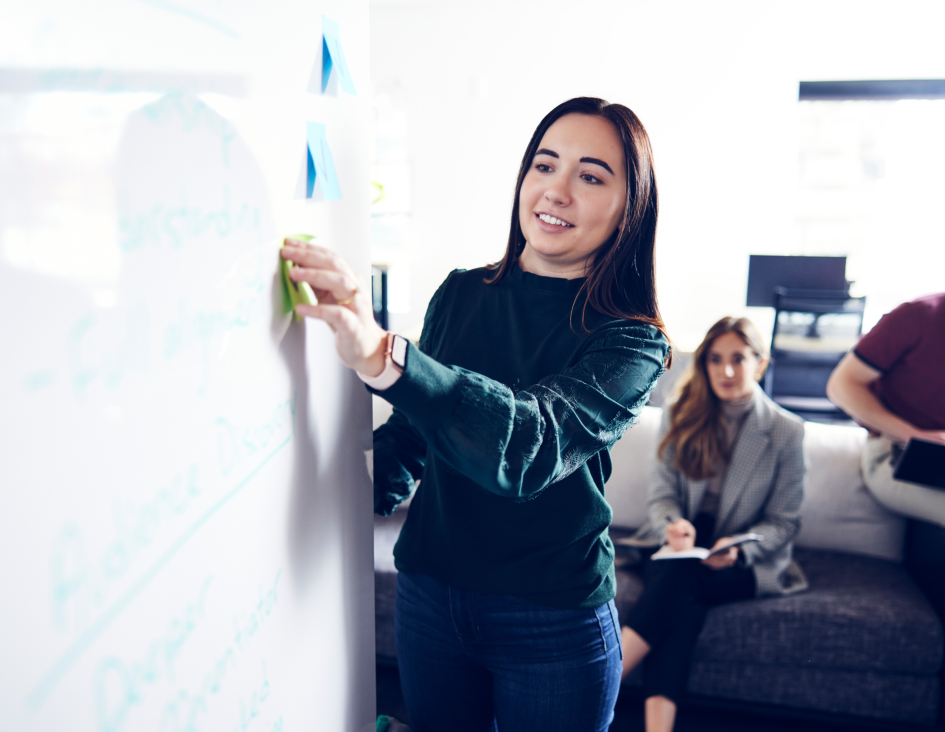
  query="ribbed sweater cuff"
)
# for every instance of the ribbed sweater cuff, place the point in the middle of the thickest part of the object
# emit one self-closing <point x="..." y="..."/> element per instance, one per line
<point x="426" y="393"/>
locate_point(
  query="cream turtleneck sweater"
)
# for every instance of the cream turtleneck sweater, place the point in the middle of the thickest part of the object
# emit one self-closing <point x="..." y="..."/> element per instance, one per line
<point x="733" y="415"/>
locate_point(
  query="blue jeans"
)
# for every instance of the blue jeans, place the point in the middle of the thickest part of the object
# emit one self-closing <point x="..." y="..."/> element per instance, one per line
<point x="474" y="662"/>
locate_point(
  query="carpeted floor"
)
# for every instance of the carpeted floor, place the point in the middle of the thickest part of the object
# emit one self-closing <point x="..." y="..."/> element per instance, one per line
<point x="628" y="716"/>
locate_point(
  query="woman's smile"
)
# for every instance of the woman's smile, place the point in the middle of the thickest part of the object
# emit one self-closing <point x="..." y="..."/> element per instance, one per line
<point x="552" y="224"/>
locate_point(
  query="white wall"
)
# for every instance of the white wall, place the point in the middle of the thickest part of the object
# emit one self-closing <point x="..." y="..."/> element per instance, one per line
<point x="714" y="83"/>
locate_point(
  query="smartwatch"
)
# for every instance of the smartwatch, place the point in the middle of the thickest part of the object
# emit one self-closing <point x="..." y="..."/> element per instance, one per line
<point x="397" y="350"/>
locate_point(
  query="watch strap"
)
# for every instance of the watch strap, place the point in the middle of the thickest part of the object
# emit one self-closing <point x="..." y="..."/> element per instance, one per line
<point x="394" y="362"/>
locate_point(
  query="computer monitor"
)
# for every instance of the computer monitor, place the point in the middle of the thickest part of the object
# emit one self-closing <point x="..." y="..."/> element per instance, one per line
<point x="765" y="272"/>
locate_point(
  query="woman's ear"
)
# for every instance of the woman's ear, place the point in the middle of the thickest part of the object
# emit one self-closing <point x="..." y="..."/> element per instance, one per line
<point x="762" y="365"/>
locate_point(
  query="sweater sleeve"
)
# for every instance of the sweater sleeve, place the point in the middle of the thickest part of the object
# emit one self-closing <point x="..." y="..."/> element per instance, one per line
<point x="399" y="457"/>
<point x="399" y="449"/>
<point x="515" y="444"/>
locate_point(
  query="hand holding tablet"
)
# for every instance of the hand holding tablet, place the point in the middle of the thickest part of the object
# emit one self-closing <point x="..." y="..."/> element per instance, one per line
<point x="922" y="462"/>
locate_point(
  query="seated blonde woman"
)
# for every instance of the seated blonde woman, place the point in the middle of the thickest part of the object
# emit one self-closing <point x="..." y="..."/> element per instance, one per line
<point x="729" y="461"/>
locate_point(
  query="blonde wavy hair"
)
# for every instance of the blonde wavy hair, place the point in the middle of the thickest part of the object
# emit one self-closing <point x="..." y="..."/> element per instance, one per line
<point x="695" y="424"/>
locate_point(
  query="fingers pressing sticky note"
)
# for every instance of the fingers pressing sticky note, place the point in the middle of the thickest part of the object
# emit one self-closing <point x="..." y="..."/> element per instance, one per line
<point x="295" y="293"/>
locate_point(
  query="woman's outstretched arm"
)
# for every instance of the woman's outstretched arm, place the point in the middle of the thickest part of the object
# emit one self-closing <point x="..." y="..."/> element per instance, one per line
<point x="511" y="443"/>
<point x="515" y="443"/>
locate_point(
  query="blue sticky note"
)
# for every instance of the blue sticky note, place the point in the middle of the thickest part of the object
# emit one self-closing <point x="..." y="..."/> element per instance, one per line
<point x="333" y="57"/>
<point x="321" y="165"/>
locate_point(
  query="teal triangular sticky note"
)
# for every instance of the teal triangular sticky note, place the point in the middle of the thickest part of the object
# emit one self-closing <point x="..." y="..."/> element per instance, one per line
<point x="321" y="164"/>
<point x="333" y="57"/>
<point x="326" y="64"/>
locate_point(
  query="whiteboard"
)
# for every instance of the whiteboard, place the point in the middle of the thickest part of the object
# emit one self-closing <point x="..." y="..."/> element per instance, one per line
<point x="186" y="531"/>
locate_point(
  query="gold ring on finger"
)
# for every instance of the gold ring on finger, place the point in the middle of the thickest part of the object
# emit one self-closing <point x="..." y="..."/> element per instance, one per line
<point x="348" y="300"/>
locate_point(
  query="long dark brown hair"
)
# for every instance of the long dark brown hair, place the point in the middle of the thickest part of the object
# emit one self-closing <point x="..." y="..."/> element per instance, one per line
<point x="695" y="420"/>
<point x="621" y="278"/>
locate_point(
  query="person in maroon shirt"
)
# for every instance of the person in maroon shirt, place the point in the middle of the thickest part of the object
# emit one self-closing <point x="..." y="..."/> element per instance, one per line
<point x="893" y="383"/>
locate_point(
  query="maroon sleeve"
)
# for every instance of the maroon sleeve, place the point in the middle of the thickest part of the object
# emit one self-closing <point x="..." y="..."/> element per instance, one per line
<point x="896" y="333"/>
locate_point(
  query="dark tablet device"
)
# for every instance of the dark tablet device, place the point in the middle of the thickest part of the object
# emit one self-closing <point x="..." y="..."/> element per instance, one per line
<point x="922" y="462"/>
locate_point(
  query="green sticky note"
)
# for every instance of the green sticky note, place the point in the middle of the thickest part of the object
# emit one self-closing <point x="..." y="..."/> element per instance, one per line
<point x="295" y="293"/>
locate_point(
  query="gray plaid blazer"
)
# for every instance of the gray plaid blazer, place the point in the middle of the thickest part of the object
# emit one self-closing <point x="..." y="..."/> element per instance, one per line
<point x="761" y="491"/>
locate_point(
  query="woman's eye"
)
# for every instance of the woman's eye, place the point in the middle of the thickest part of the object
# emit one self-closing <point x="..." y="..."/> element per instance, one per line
<point x="590" y="178"/>
<point x="542" y="168"/>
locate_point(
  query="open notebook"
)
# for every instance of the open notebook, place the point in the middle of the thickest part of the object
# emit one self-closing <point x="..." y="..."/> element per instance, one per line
<point x="665" y="552"/>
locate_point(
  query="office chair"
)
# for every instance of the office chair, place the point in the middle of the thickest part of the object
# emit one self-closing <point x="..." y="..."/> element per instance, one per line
<point x="813" y="330"/>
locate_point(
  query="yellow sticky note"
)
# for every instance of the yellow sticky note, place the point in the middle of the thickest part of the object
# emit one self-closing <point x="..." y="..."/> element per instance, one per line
<point x="294" y="292"/>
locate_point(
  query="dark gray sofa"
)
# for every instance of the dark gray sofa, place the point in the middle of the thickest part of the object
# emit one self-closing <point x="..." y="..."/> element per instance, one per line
<point x="864" y="641"/>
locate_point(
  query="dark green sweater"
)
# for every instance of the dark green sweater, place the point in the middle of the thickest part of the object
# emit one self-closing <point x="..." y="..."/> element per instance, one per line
<point x="506" y="415"/>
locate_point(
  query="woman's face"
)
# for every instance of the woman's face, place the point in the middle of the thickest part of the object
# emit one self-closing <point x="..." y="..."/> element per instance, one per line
<point x="573" y="195"/>
<point x="733" y="367"/>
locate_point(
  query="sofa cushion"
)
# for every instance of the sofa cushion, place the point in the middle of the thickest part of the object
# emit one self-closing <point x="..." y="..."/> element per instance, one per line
<point x="838" y="512"/>
<point x="631" y="456"/>
<point x="860" y="614"/>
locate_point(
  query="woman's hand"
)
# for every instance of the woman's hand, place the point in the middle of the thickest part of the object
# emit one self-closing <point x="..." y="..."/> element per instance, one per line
<point x="681" y="535"/>
<point x="342" y="303"/>
<point x="722" y="560"/>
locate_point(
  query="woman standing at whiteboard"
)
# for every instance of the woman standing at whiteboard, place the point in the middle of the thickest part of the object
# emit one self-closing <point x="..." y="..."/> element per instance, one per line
<point x="526" y="373"/>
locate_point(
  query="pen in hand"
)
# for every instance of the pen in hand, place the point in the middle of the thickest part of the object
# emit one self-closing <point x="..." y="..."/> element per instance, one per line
<point x="680" y="534"/>
<point x="671" y="522"/>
